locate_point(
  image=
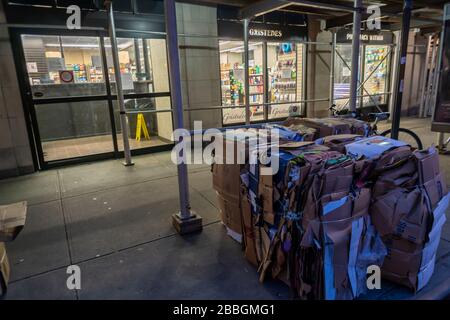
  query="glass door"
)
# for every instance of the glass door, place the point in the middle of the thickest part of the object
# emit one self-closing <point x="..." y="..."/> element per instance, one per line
<point x="342" y="76"/>
<point x="68" y="95"/>
<point x="145" y="80"/>
<point x="232" y="77"/>
<point x="285" y="71"/>
<point x="72" y="99"/>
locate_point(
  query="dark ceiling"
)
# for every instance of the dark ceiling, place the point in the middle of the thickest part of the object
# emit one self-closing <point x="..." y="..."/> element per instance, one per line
<point x="336" y="13"/>
<point x="426" y="13"/>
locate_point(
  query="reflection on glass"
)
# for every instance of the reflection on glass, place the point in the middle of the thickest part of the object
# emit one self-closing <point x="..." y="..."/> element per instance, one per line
<point x="143" y="65"/>
<point x="375" y="74"/>
<point x="157" y="124"/>
<point x="63" y="66"/>
<point x="74" y="129"/>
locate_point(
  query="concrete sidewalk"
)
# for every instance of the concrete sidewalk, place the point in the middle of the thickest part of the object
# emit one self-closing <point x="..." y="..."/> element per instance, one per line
<point x="115" y="223"/>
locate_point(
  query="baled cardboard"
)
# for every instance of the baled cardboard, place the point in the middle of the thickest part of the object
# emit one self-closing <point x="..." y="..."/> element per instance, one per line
<point x="230" y="213"/>
<point x="266" y="193"/>
<point x="435" y="189"/>
<point x="227" y="180"/>
<point x="338" y="142"/>
<point x="12" y="220"/>
<point x="248" y="229"/>
<point x="372" y="147"/>
<point x="406" y="265"/>
<point x="4" y="269"/>
<point x="427" y="163"/>
<point x="398" y="243"/>
<point x="403" y="213"/>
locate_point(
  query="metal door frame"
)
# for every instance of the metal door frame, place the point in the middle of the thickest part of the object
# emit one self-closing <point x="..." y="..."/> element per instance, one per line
<point x="29" y="103"/>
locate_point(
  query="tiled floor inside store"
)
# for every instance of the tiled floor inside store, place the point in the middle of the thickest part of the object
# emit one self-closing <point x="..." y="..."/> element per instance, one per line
<point x="79" y="147"/>
<point x="114" y="222"/>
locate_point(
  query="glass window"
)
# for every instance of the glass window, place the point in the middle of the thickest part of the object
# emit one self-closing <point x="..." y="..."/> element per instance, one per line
<point x="284" y="64"/>
<point x="143" y="65"/>
<point x="60" y="66"/>
<point x="376" y="65"/>
<point x="342" y="75"/>
<point x="146" y="129"/>
<point x="74" y="129"/>
<point x="232" y="77"/>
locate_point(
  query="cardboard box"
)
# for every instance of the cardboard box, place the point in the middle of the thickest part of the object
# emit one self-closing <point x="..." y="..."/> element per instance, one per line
<point x="235" y="145"/>
<point x="427" y="163"/>
<point x="266" y="194"/>
<point x="230" y="213"/>
<point x="12" y="220"/>
<point x="227" y="179"/>
<point x="436" y="188"/>
<point x="398" y="243"/>
<point x="325" y="127"/>
<point x="248" y="228"/>
<point x="338" y="142"/>
<point x="405" y="265"/>
<point x="4" y="269"/>
<point x="403" y="213"/>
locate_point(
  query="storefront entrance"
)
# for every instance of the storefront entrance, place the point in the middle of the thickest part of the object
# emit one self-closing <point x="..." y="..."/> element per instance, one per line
<point x="70" y="94"/>
<point x="374" y="69"/>
<point x="275" y="80"/>
<point x="276" y="66"/>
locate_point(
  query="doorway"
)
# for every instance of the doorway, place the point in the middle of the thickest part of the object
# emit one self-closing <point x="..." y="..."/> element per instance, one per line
<point x="69" y="92"/>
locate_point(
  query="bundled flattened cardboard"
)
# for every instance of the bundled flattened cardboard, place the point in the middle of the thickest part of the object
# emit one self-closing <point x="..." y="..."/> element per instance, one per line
<point x="12" y="220"/>
<point x="335" y="206"/>
<point x="306" y="225"/>
<point x="4" y="269"/>
<point x="410" y="198"/>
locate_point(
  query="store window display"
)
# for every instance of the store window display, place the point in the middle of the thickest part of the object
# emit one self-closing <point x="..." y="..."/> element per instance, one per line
<point x="284" y="63"/>
<point x="373" y="72"/>
<point x="284" y="80"/>
<point x="232" y="77"/>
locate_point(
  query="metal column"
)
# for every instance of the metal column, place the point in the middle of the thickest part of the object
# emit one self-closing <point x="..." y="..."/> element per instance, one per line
<point x="355" y="55"/>
<point x="177" y="102"/>
<point x="246" y="75"/>
<point x="394" y="73"/>
<point x="332" y="67"/>
<point x="404" y="35"/>
<point x="146" y="62"/>
<point x="137" y="57"/>
<point x="265" y="83"/>
<point x="423" y="89"/>
<point x="119" y="90"/>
